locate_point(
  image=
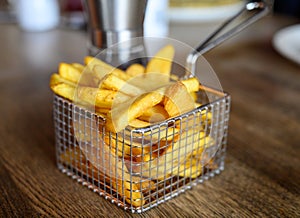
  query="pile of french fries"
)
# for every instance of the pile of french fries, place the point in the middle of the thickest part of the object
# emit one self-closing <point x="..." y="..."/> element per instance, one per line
<point x="135" y="98"/>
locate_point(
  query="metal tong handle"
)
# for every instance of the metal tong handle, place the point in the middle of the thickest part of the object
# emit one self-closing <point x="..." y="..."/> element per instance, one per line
<point x="258" y="6"/>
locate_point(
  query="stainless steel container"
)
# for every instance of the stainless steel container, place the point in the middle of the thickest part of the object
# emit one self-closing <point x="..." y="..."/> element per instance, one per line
<point x="115" y="21"/>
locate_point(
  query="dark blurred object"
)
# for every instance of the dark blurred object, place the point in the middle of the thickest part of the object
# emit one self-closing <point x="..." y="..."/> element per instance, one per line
<point x="72" y="14"/>
<point x="3" y="4"/>
<point x="72" y="5"/>
<point x="7" y="14"/>
<point x="287" y="7"/>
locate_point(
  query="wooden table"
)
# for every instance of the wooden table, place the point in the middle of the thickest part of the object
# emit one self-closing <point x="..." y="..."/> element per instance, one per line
<point x="262" y="171"/>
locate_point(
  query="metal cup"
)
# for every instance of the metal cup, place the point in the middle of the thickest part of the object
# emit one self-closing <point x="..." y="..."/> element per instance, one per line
<point x="115" y="21"/>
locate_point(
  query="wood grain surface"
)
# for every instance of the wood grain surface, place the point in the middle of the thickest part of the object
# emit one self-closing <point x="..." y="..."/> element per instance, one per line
<point x="262" y="170"/>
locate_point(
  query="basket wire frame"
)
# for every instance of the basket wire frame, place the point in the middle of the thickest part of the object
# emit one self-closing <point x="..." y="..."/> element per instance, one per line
<point x="138" y="169"/>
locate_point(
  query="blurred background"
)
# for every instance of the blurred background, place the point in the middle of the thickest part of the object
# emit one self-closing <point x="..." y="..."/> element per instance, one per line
<point x="70" y="12"/>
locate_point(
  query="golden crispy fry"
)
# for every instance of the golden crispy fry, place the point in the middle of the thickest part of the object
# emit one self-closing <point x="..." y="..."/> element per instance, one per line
<point x="110" y="81"/>
<point x="199" y="121"/>
<point x="195" y="97"/>
<point x="116" y="169"/>
<point x="104" y="159"/>
<point x="88" y="79"/>
<point x="177" y="100"/>
<point x="150" y="81"/>
<point x="122" y="114"/>
<point x="197" y="104"/>
<point x="162" y="61"/>
<point x="99" y="72"/>
<point x="64" y="90"/>
<point x="141" y="147"/>
<point x="145" y="185"/>
<point x="135" y="69"/>
<point x="72" y="156"/>
<point x="88" y="130"/>
<point x="190" y="168"/>
<point x="206" y="116"/>
<point x="69" y="72"/>
<point x="154" y="114"/>
<point x="102" y="111"/>
<point x="188" y="142"/>
<point x="144" y="102"/>
<point x="126" y="149"/>
<point x="137" y="123"/>
<point x="78" y="66"/>
<point x="143" y="144"/>
<point x="118" y="148"/>
<point x="91" y="62"/>
<point x="174" y="77"/>
<point x="191" y="84"/>
<point x="98" y="97"/>
<point x="122" y="185"/>
<point x="207" y="142"/>
<point x="152" y="137"/>
<point x="101" y="98"/>
<point x="57" y="79"/>
<point x="76" y="73"/>
<point x="172" y="155"/>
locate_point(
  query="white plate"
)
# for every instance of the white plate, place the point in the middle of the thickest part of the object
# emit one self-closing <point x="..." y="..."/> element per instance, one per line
<point x="287" y="42"/>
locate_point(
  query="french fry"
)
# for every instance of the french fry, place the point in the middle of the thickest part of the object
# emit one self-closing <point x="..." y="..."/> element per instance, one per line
<point x="75" y="74"/>
<point x="191" y="84"/>
<point x="172" y="156"/>
<point x="69" y="72"/>
<point x="195" y="97"/>
<point x="71" y="156"/>
<point x="122" y="114"/>
<point x="127" y="150"/>
<point x="86" y="95"/>
<point x="99" y="72"/>
<point x="78" y="66"/>
<point x="145" y="185"/>
<point x="150" y="81"/>
<point x="91" y="62"/>
<point x="162" y="61"/>
<point x="103" y="158"/>
<point x="177" y="100"/>
<point x="65" y="90"/>
<point x="190" y="168"/>
<point x="142" y="146"/>
<point x="150" y="137"/>
<point x="116" y="169"/>
<point x="93" y="96"/>
<point x="137" y="123"/>
<point x="154" y="114"/>
<point x="78" y="160"/>
<point x="98" y="97"/>
<point x="57" y="79"/>
<point x="75" y="158"/>
<point x="174" y="77"/>
<point x="101" y="98"/>
<point x="207" y="142"/>
<point x="110" y="81"/>
<point x="102" y="111"/>
<point x="135" y="69"/>
<point x="206" y="115"/>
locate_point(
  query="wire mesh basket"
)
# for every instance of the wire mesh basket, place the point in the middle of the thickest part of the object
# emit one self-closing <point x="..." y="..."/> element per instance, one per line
<point x="139" y="168"/>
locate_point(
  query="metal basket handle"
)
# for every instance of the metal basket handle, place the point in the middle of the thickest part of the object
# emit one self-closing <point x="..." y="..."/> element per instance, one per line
<point x="255" y="8"/>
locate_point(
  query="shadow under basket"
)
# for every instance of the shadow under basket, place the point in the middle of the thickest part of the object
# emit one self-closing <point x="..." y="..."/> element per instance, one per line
<point x="140" y="168"/>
